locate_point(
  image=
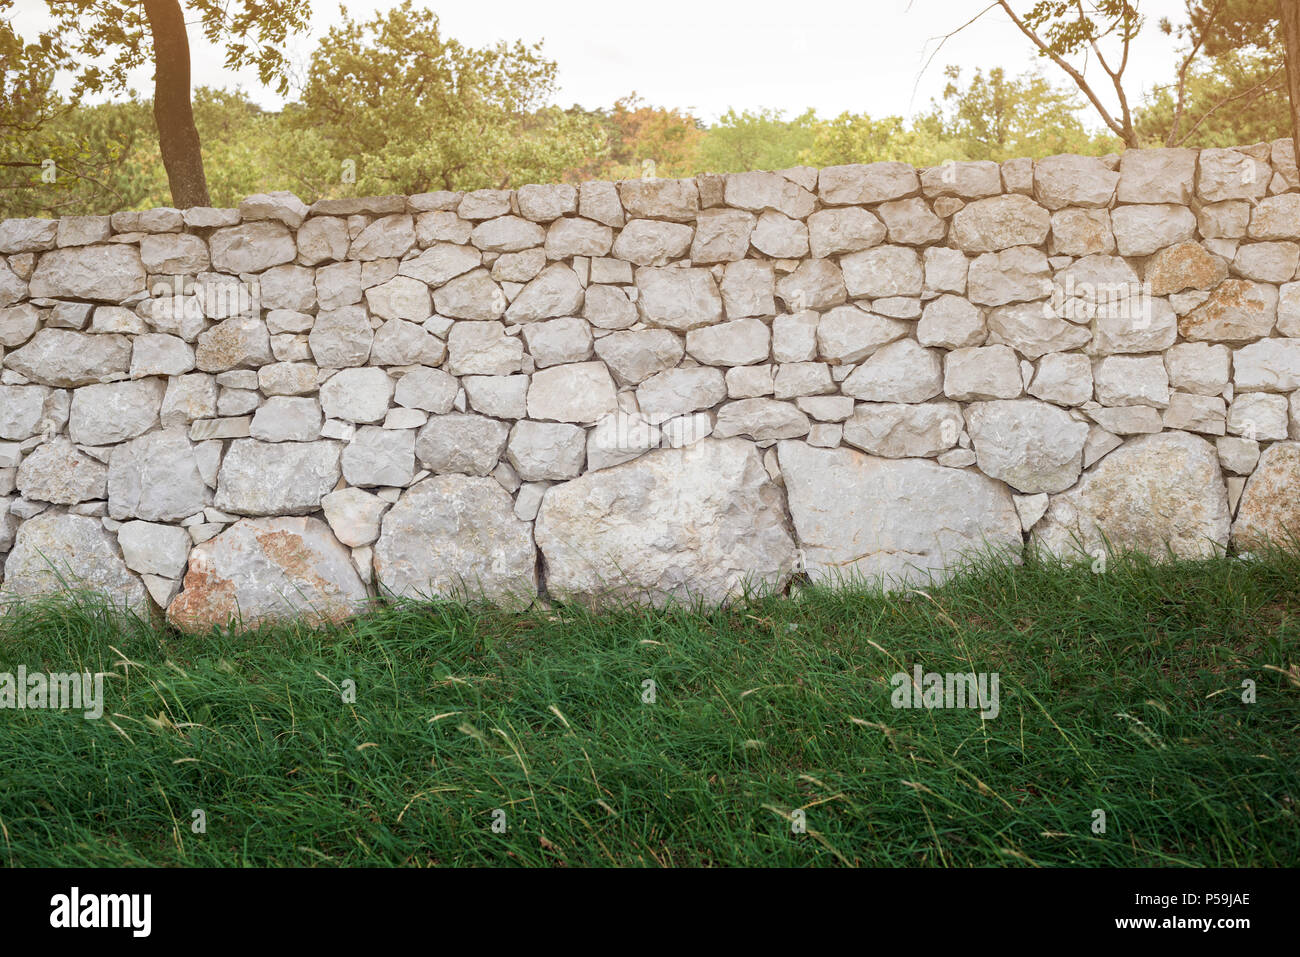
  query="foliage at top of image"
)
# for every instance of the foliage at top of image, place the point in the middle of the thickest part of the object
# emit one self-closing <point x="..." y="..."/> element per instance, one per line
<point x="392" y="104"/>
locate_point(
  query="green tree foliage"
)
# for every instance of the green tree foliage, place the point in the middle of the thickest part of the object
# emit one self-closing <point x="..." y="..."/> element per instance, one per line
<point x="96" y="44"/>
<point x="998" y="117"/>
<point x="408" y="110"/>
<point x="394" y="105"/>
<point x="757" y="139"/>
<point x="859" y="138"/>
<point x="1074" y="35"/>
<point x="992" y="117"/>
<point x="1231" y="84"/>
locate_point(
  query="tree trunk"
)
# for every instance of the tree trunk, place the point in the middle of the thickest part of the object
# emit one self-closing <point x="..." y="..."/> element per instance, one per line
<point x="178" y="137"/>
<point x="1290" y="15"/>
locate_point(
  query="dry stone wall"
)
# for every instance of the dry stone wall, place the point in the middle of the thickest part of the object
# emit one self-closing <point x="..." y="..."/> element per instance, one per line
<point x="652" y="388"/>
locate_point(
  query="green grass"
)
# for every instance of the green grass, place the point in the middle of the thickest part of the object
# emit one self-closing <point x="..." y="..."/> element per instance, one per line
<point x="1120" y="691"/>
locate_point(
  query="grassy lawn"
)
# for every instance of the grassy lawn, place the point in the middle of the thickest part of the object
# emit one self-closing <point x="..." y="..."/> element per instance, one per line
<point x="1119" y="691"/>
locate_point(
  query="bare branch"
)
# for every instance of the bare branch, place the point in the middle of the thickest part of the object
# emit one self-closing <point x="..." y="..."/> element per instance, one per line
<point x="1180" y="103"/>
<point x="1078" y="78"/>
<point x="944" y="39"/>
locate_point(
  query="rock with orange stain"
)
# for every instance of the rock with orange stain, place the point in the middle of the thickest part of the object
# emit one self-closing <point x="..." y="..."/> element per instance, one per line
<point x="1184" y="266"/>
<point x="1237" y="311"/>
<point x="268" y="569"/>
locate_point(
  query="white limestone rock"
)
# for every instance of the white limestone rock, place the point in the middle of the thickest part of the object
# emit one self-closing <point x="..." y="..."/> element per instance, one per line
<point x="116" y="411"/>
<point x="1086" y="181"/>
<point x="1131" y="380"/>
<point x="882" y="271"/>
<point x="357" y="395"/>
<point x="67" y="359"/>
<point x="578" y="392"/>
<point x="1031" y="445"/>
<point x="158" y="477"/>
<point x="902" y="371"/>
<point x="1156" y="494"/>
<point x="698" y="523"/>
<point x="105" y="273"/>
<point x="760" y="419"/>
<point x="54" y="552"/>
<point x="634" y="356"/>
<point x="152" y="548"/>
<point x="276" y="478"/>
<point x="982" y="372"/>
<point x="999" y="222"/>
<point x="849" y="334"/>
<point x="260" y="571"/>
<point x="678" y="391"/>
<point x="896" y="522"/>
<point x="558" y="341"/>
<point x="482" y="348"/>
<point x="287" y="419"/>
<point x="380" y="456"/>
<point x="1063" y="378"/>
<point x="546" y="451"/>
<point x="55" y="471"/>
<point x="904" y="430"/>
<point x="461" y="442"/>
<point x="1268" y="512"/>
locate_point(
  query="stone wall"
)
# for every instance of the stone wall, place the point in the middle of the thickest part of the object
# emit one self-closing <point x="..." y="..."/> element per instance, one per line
<point x="653" y="387"/>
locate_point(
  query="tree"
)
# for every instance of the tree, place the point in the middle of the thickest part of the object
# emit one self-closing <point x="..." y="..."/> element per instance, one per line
<point x="399" y="107"/>
<point x="858" y="138"/>
<point x="98" y="42"/>
<point x="756" y="139"/>
<point x="644" y="139"/>
<point x="1236" y="97"/>
<point x="998" y="117"/>
<point x="1289" y="15"/>
<point x="1240" y="37"/>
<point x="1229" y="81"/>
<point x="1069" y="33"/>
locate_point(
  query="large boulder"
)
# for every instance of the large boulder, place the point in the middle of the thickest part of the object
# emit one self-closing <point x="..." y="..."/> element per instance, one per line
<point x="268" y="569"/>
<point x="1156" y="494"/>
<point x="700" y="522"/>
<point x="891" y="521"/>
<point x="1270" y="508"/>
<point x="456" y="536"/>
<point x="55" y="552"/>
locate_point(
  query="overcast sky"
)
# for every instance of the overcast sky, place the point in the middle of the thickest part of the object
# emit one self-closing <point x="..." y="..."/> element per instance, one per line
<point x="708" y="55"/>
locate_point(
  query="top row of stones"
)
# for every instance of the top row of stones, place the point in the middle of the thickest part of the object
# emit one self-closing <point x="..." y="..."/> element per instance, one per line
<point x="1171" y="175"/>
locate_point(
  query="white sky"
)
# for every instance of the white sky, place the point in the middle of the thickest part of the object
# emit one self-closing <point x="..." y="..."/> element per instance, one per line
<point x="708" y="55"/>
